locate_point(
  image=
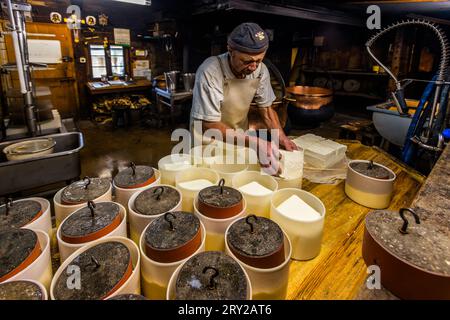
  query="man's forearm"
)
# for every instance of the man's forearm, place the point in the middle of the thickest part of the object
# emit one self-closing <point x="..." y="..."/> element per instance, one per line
<point x="271" y="120"/>
<point x="228" y="133"/>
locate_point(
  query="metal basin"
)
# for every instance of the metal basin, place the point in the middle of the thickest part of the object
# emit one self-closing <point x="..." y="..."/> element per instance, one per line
<point x="390" y="124"/>
<point x="60" y="166"/>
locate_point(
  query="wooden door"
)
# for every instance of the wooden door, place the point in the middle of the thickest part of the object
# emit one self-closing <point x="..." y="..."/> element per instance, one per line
<point x="59" y="77"/>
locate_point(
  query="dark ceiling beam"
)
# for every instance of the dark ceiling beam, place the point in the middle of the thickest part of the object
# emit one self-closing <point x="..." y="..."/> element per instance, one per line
<point x="315" y="14"/>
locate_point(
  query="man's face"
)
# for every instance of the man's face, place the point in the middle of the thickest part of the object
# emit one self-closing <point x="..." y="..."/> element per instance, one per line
<point x="245" y="63"/>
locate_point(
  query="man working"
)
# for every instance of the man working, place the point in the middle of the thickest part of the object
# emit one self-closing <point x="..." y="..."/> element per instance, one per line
<point x="226" y="85"/>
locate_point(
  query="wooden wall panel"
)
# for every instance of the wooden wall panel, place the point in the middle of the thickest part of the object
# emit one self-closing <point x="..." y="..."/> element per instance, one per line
<point x="61" y="77"/>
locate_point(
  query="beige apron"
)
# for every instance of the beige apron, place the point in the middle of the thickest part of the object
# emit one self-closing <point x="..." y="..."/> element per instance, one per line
<point x="238" y="94"/>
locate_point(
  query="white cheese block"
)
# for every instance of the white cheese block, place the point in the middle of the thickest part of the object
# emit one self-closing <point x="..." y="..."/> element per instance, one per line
<point x="292" y="164"/>
<point x="196" y="185"/>
<point x="255" y="189"/>
<point x="177" y="166"/>
<point x="297" y="209"/>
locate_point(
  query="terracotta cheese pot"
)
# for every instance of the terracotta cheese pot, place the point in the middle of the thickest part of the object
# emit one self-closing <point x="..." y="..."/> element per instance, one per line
<point x="95" y="221"/>
<point x="108" y="267"/>
<point x="173" y="237"/>
<point x="412" y="253"/>
<point x="220" y="202"/>
<point x="22" y="290"/>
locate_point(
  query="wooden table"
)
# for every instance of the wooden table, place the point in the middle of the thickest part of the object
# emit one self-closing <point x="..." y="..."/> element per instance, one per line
<point x="138" y="85"/>
<point x="339" y="271"/>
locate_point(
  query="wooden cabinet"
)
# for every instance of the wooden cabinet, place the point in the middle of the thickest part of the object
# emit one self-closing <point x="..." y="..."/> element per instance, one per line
<point x="59" y="77"/>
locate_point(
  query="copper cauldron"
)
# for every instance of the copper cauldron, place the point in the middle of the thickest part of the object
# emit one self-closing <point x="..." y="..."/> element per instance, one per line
<point x="309" y="98"/>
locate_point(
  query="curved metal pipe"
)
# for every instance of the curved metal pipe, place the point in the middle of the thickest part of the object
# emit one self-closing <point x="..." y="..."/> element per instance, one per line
<point x="438" y="32"/>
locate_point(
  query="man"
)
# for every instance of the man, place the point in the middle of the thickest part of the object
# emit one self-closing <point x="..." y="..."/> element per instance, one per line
<point x="226" y="85"/>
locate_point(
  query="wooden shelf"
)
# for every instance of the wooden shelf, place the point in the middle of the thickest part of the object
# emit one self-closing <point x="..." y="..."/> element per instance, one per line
<point x="358" y="94"/>
<point x="343" y="72"/>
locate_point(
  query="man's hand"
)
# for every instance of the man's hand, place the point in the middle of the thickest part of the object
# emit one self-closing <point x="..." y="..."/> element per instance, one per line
<point x="269" y="157"/>
<point x="287" y="144"/>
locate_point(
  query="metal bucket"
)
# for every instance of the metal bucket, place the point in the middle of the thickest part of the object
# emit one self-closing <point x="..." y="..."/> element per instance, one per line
<point x="188" y="81"/>
<point x="172" y="78"/>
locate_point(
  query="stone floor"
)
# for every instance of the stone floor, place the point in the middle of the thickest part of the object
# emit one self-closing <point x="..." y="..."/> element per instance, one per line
<point x="107" y="151"/>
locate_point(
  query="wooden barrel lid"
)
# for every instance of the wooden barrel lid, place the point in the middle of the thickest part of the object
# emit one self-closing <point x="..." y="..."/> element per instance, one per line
<point x="91" y="223"/>
<point x="173" y="237"/>
<point x="371" y="170"/>
<point x="257" y="241"/>
<point x="18" y="249"/>
<point x="424" y="245"/>
<point x="20" y="290"/>
<point x="128" y="297"/>
<point x="211" y="275"/>
<point x="220" y="202"/>
<point x="135" y="177"/>
<point x="85" y="190"/>
<point x="19" y="214"/>
<point x="104" y="268"/>
<point x="157" y="200"/>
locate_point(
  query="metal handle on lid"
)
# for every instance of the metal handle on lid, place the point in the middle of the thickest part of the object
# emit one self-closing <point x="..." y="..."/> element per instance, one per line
<point x="88" y="182"/>
<point x="212" y="284"/>
<point x="166" y="217"/>
<point x="247" y="220"/>
<point x="404" y="228"/>
<point x="160" y="194"/>
<point x="91" y="206"/>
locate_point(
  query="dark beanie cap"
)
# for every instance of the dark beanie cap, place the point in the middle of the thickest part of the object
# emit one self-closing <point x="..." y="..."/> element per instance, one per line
<point x="249" y="38"/>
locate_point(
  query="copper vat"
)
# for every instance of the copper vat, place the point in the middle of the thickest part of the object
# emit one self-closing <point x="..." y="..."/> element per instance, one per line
<point x="309" y="98"/>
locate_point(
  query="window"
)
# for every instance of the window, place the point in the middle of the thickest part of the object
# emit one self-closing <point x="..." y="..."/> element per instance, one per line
<point x="117" y="61"/>
<point x="110" y="61"/>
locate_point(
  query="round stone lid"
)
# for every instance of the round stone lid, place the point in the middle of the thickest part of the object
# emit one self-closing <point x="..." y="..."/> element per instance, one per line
<point x="103" y="269"/>
<point x="91" y="223"/>
<point x="257" y="241"/>
<point x="20" y="213"/>
<point x="157" y="200"/>
<point x="128" y="297"/>
<point x="372" y="170"/>
<point x="135" y="177"/>
<point x="20" y="290"/>
<point x="220" y="202"/>
<point x="211" y="275"/>
<point x="18" y="249"/>
<point x="85" y="190"/>
<point x="173" y="237"/>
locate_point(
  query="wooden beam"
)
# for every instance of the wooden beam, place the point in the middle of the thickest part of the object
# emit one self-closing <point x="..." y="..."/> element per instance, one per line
<point x="311" y="13"/>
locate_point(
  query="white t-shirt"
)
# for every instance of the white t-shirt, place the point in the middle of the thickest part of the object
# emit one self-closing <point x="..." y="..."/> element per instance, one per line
<point x="208" y="89"/>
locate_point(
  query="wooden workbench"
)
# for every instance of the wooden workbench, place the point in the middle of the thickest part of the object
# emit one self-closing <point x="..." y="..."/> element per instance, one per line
<point x="138" y="85"/>
<point x="339" y="271"/>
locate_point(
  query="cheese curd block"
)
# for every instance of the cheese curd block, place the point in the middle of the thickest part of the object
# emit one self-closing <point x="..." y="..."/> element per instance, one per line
<point x="320" y="152"/>
<point x="307" y="140"/>
<point x="255" y="189"/>
<point x="196" y="184"/>
<point x="292" y="164"/>
<point x="297" y="209"/>
<point x="177" y="166"/>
